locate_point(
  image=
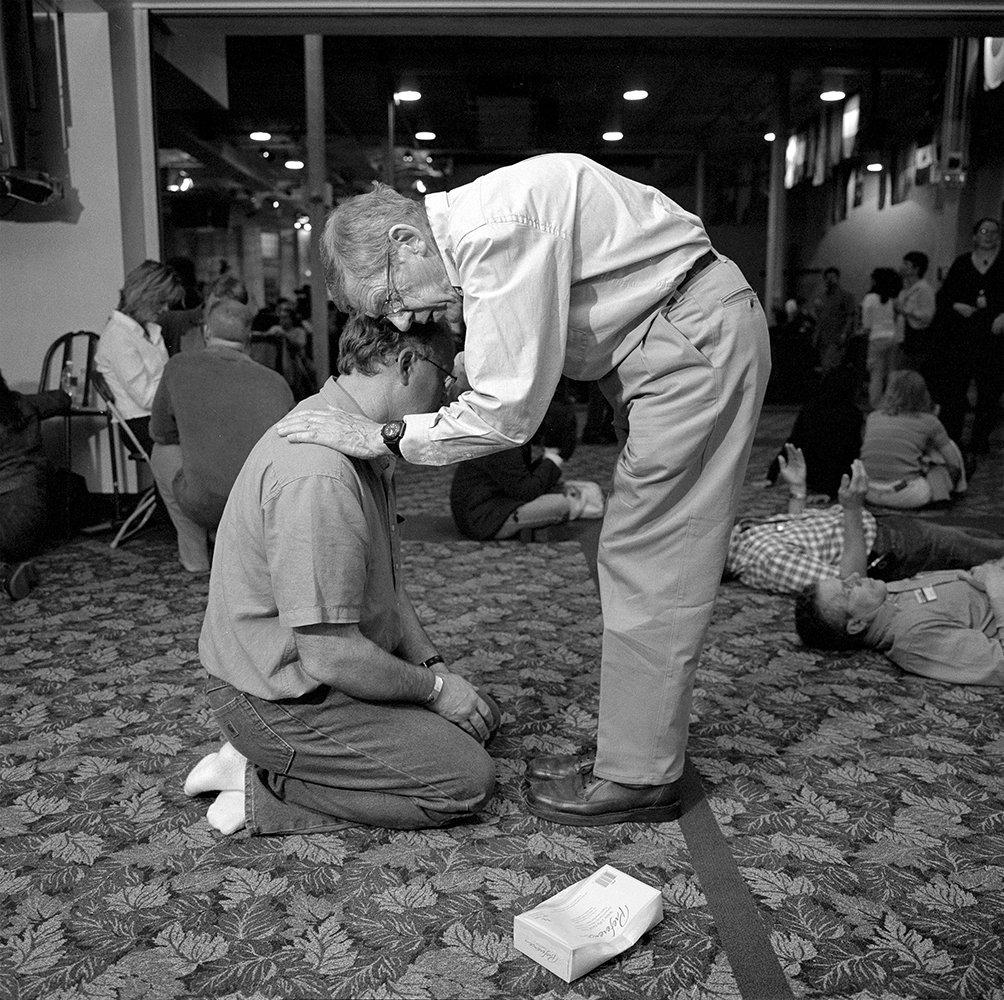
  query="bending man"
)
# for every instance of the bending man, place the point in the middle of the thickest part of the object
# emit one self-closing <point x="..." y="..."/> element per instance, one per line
<point x="558" y="265"/>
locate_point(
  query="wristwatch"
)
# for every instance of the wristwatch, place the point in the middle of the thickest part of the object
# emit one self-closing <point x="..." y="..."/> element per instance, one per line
<point x="392" y="432"/>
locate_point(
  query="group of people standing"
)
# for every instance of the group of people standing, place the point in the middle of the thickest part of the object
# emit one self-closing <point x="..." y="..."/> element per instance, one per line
<point x="953" y="335"/>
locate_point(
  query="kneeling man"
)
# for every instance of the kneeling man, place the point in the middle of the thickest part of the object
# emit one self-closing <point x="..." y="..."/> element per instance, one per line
<point x="335" y="703"/>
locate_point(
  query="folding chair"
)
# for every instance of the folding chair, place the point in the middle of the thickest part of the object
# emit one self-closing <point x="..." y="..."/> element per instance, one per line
<point x="76" y="349"/>
<point x="118" y="428"/>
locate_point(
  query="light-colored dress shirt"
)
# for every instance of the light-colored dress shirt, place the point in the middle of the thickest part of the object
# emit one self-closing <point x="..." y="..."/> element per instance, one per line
<point x="788" y="552"/>
<point x="560" y="261"/>
<point x="939" y="625"/>
<point x="917" y="305"/>
<point x="131" y="358"/>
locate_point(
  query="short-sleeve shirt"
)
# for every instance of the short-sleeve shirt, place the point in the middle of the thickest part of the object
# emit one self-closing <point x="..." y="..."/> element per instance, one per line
<point x="939" y="625"/>
<point x="308" y="536"/>
<point x="893" y="445"/>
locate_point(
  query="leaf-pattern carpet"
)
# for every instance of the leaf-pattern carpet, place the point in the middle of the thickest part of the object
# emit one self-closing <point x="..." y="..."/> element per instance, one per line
<point x="864" y="808"/>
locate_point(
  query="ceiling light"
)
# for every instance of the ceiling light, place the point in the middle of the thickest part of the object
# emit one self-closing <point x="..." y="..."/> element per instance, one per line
<point x="832" y="95"/>
<point x="275" y="204"/>
<point x="265" y="153"/>
<point x="874" y="167"/>
<point x="425" y="136"/>
<point x="635" y="95"/>
<point x="186" y="183"/>
<point x="261" y="136"/>
<point x="420" y="186"/>
<point x="613" y="136"/>
<point x="294" y="164"/>
<point x="408" y="95"/>
<point x="769" y="136"/>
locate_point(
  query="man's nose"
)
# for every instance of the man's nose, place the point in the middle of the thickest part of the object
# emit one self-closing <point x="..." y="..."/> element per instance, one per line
<point x="402" y="320"/>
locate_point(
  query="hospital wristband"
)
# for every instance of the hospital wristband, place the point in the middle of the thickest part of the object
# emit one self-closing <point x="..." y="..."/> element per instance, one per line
<point x="437" y="687"/>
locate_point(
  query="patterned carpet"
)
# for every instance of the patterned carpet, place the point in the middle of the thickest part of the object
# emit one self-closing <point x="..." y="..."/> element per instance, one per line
<point x="864" y="809"/>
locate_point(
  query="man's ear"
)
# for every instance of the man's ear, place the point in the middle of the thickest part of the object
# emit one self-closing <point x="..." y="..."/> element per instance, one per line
<point x="856" y="625"/>
<point x="406" y="362"/>
<point x="406" y="236"/>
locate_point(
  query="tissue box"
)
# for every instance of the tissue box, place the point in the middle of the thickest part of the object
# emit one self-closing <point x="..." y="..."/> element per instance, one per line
<point x="587" y="923"/>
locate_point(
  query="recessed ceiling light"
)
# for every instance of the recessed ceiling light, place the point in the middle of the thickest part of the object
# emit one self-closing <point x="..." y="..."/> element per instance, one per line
<point x="261" y="136"/>
<point x="613" y="136"/>
<point x="769" y="136"/>
<point x="832" y="95"/>
<point x="294" y="164"/>
<point x="635" y="95"/>
<point x="275" y="204"/>
<point x="425" y="136"/>
<point x="874" y="167"/>
<point x="408" y="95"/>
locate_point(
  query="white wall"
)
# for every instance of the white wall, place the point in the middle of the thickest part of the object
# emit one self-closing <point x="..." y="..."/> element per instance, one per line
<point x="64" y="275"/>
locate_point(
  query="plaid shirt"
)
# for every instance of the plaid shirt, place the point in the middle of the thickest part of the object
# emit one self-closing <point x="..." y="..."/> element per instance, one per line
<point x="788" y="552"/>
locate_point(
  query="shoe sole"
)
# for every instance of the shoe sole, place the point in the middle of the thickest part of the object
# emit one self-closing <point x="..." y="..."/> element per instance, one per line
<point x="22" y="581"/>
<point x="648" y="814"/>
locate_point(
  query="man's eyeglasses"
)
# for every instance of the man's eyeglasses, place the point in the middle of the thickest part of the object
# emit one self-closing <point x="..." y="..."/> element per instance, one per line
<point x="450" y="379"/>
<point x="393" y="304"/>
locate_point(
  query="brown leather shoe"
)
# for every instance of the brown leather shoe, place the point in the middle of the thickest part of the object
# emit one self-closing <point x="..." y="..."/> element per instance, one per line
<point x="551" y="766"/>
<point x="582" y="800"/>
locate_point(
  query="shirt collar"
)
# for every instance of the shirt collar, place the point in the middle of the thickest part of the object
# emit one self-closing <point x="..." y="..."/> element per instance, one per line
<point x="335" y="396"/>
<point x="437" y="209"/>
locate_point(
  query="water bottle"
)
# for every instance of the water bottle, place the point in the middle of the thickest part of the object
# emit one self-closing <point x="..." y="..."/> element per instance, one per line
<point x="67" y="378"/>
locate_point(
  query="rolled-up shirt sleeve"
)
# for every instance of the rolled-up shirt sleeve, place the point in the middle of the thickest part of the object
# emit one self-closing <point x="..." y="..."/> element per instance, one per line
<point x="517" y="279"/>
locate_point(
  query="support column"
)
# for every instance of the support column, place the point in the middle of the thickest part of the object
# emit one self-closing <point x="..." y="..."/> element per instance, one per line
<point x="313" y="56"/>
<point x="388" y="159"/>
<point x="773" y="289"/>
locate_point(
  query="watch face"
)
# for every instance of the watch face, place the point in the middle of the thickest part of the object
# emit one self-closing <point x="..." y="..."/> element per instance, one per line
<point x="393" y="431"/>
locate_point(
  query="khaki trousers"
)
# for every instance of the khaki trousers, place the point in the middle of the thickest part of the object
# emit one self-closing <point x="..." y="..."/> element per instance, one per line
<point x="688" y="399"/>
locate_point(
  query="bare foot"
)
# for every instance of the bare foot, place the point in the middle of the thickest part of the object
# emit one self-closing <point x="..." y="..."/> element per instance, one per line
<point x="222" y="771"/>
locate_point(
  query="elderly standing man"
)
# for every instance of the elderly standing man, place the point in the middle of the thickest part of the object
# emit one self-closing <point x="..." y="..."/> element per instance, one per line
<point x="558" y="265"/>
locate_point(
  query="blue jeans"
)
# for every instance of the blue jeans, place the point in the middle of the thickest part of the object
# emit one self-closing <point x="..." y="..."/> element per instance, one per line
<point x="325" y="758"/>
<point x="909" y="545"/>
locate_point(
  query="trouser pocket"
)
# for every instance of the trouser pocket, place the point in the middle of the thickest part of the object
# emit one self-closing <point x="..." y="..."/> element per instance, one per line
<point x="242" y="725"/>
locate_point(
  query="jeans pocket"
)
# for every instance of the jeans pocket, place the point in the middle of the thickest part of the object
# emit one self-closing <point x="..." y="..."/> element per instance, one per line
<point x="244" y="727"/>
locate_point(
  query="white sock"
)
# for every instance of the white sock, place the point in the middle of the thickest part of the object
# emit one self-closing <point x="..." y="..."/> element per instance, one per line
<point x="226" y="814"/>
<point x="222" y="771"/>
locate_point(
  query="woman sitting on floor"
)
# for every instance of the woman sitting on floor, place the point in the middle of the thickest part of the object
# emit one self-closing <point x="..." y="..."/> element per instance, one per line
<point x="909" y="457"/>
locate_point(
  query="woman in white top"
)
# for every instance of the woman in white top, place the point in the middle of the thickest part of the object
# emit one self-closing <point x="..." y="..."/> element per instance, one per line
<point x="131" y="353"/>
<point x="878" y="320"/>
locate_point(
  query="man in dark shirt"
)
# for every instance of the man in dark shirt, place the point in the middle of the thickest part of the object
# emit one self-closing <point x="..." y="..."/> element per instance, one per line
<point x="210" y="409"/>
<point x="835" y="311"/>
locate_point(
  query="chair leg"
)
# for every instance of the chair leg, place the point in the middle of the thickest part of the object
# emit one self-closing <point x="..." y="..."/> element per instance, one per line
<point x="141" y="513"/>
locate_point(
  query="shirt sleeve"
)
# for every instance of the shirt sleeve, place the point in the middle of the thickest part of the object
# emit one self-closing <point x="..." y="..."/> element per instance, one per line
<point x="318" y="546"/>
<point x="517" y="281"/>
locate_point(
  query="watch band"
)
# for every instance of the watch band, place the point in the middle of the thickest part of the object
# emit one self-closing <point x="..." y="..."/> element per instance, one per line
<point x="432" y="661"/>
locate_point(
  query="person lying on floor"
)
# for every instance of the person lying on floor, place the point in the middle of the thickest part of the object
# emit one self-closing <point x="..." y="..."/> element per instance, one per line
<point x="948" y="626"/>
<point x="496" y="496"/>
<point x="788" y="552"/>
<point x="333" y="700"/>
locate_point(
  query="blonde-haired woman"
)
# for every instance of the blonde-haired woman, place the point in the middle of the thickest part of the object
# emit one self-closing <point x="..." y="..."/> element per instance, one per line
<point x="131" y="353"/>
<point x="909" y="457"/>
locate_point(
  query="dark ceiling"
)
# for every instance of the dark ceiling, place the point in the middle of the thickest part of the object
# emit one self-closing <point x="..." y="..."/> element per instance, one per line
<point x="495" y="99"/>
